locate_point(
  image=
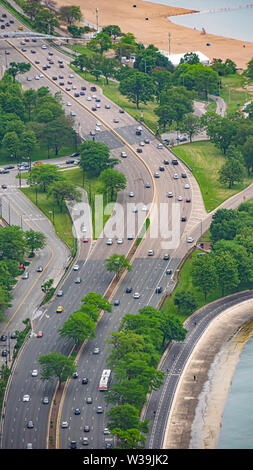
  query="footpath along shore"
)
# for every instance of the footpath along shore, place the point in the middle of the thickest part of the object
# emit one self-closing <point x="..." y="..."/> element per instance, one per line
<point x="198" y="405"/>
<point x="156" y="28"/>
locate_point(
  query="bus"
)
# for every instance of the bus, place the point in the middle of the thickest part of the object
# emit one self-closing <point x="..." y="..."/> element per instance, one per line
<point x="105" y="380"/>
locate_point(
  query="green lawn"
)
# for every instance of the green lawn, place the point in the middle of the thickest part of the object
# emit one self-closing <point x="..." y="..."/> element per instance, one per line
<point x="233" y="91"/>
<point x="62" y="220"/>
<point x="205" y="161"/>
<point x="41" y="153"/>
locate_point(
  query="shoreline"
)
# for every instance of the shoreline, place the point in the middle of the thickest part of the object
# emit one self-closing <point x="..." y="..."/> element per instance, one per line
<point x="197" y="408"/>
<point x="155" y="30"/>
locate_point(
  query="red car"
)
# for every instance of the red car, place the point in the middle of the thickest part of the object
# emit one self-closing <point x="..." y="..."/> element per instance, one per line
<point x="40" y="334"/>
<point x="85" y="240"/>
<point x="38" y="163"/>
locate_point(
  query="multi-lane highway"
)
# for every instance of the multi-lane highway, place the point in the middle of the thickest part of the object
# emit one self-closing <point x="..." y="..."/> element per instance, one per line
<point x="118" y="131"/>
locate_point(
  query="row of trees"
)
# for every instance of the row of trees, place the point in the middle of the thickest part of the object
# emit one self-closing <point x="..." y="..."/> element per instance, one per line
<point x="15" y="246"/>
<point x="135" y="352"/>
<point x="31" y="119"/>
<point x="233" y="135"/>
<point x="229" y="266"/>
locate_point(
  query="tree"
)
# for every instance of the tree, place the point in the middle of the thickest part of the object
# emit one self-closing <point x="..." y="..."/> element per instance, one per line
<point x="190" y="58"/>
<point x="231" y="171"/>
<point x="162" y="81"/>
<point x="185" y="301"/>
<point x="224" y="225"/>
<point x="147" y="59"/>
<point x="190" y="125"/>
<point x="97" y="300"/>
<point x="78" y="328"/>
<point x="11" y="143"/>
<point x="29" y="98"/>
<point x="70" y="14"/>
<point x="223" y="68"/>
<point x="113" y="181"/>
<point x="61" y="191"/>
<point x="75" y="31"/>
<point x="125" y="417"/>
<point x="172" y="329"/>
<point x="138" y="88"/>
<point x="204" y="274"/>
<point x="227" y="271"/>
<point x="44" y="175"/>
<point x="241" y="255"/>
<point x="28" y="142"/>
<point x="34" y="240"/>
<point x="100" y="43"/>
<point x="59" y="132"/>
<point x="18" y="69"/>
<point x="167" y="114"/>
<point x="32" y="8"/>
<point x="129" y="439"/>
<point x="45" y="21"/>
<point x="117" y="263"/>
<point x="108" y="67"/>
<point x="221" y="131"/>
<point x="56" y="365"/>
<point x="47" y="286"/>
<point x="12" y="243"/>
<point x="95" y="157"/>
<point x="112" y="30"/>
<point x="249" y="70"/>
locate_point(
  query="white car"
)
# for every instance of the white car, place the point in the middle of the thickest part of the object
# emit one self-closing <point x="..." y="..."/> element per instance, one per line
<point x="43" y="46"/>
<point x="120" y="241"/>
<point x="109" y="241"/>
<point x="190" y="239"/>
<point x="68" y="103"/>
<point x="36" y="77"/>
<point x="34" y="373"/>
<point x="106" y="431"/>
<point x="73" y="113"/>
<point x="131" y="194"/>
<point x="144" y="208"/>
<point x="71" y="75"/>
<point x="94" y="97"/>
<point x="64" y="424"/>
<point x="180" y="198"/>
<point x="187" y="186"/>
<point x="84" y="229"/>
<point x="170" y="194"/>
<point x="73" y="87"/>
<point x="150" y="252"/>
<point x="41" y="75"/>
<point x="88" y="98"/>
<point x="136" y="295"/>
<point x="97" y="128"/>
<point x="142" y="144"/>
<point x="175" y="176"/>
<point x="26" y="398"/>
<point x="98" y="123"/>
<point x="76" y="267"/>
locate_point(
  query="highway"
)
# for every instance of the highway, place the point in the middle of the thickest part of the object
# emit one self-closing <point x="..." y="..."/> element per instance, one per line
<point x="147" y="272"/>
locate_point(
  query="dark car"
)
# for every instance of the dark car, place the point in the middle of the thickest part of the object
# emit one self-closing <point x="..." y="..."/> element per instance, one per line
<point x="44" y="67"/>
<point x="129" y="290"/>
<point x="70" y="162"/>
<point x="77" y="95"/>
<point x="121" y="111"/>
<point x="94" y="108"/>
<point x="9" y="167"/>
<point x="93" y="88"/>
<point x="73" y="445"/>
<point x="174" y="162"/>
<point x="83" y="87"/>
<point x="3" y="338"/>
<point x="54" y="78"/>
<point x="188" y="199"/>
<point x="139" y="150"/>
<point x="4" y="186"/>
<point x="85" y="380"/>
<point x="183" y="218"/>
<point x="161" y="168"/>
<point x="2" y="26"/>
<point x="166" y="256"/>
<point x="158" y="290"/>
<point x="86" y="428"/>
<point x="77" y="411"/>
<point x="166" y="162"/>
<point x="4" y="15"/>
<point x="184" y="175"/>
<point x="168" y="271"/>
<point x="4" y="353"/>
<point x="116" y="303"/>
<point x="138" y="132"/>
<point x="75" y="154"/>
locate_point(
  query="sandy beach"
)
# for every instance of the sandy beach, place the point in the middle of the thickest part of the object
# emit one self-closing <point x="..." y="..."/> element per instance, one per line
<point x="197" y="409"/>
<point x="155" y="30"/>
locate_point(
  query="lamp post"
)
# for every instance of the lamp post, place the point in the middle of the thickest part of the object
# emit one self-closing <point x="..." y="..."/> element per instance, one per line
<point x="52" y="212"/>
<point x="97" y="18"/>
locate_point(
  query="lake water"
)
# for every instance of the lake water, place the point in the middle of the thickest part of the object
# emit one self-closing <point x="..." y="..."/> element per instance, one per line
<point x="237" y="422"/>
<point x="236" y="24"/>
